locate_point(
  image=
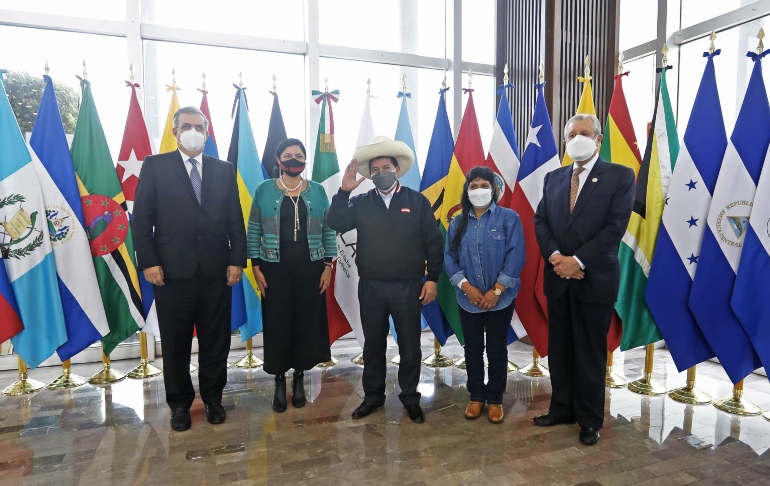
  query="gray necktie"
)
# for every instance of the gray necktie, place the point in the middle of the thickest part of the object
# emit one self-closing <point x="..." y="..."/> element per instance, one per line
<point x="195" y="179"/>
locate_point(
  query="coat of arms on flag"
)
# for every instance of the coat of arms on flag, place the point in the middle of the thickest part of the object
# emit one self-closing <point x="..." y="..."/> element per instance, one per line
<point x="18" y="229"/>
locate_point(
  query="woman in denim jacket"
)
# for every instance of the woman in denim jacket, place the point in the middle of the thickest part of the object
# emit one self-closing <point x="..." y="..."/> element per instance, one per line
<point x="483" y="257"/>
<point x="291" y="249"/>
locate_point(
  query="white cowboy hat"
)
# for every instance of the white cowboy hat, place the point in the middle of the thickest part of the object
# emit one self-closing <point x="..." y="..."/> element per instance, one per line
<point x="383" y="147"/>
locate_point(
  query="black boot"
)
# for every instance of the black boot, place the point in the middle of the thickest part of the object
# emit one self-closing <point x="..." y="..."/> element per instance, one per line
<point x="298" y="398"/>
<point x="279" y="398"/>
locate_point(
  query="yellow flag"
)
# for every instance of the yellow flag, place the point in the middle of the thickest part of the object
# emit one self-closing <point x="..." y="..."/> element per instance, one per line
<point x="168" y="142"/>
<point x="586" y="106"/>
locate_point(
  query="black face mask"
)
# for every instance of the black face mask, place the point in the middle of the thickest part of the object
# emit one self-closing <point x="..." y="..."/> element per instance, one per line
<point x="293" y="167"/>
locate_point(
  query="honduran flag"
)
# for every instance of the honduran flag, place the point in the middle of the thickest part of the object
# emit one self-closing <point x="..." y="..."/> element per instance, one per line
<point x="728" y="219"/>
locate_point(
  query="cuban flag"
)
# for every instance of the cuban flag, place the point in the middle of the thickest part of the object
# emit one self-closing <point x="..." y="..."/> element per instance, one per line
<point x="678" y="249"/>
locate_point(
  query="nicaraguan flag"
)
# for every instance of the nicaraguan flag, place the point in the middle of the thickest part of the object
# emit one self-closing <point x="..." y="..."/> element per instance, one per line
<point x="411" y="179"/>
<point x="84" y="312"/>
<point x="678" y="248"/>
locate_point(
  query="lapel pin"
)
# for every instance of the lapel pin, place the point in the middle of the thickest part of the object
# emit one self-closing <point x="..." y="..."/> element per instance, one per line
<point x="594" y="180"/>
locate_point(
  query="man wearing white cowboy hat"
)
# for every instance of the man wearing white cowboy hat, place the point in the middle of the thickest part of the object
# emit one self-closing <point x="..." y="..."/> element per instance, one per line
<point x="398" y="242"/>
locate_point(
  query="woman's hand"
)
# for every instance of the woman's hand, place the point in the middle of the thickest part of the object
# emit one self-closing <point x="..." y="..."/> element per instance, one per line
<point x="260" y="277"/>
<point x="488" y="300"/>
<point x="474" y="295"/>
<point x="326" y="278"/>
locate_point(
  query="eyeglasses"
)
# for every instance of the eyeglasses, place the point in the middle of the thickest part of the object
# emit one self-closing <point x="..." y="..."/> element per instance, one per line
<point x="187" y="127"/>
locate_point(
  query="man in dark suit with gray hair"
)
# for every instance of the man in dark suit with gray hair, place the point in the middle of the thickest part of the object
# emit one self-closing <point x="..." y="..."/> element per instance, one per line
<point x="190" y="242"/>
<point x="579" y="223"/>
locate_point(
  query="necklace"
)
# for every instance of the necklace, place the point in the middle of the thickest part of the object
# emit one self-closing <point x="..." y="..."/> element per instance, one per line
<point x="295" y="202"/>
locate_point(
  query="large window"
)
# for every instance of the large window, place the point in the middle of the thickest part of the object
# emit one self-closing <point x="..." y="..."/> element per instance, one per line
<point x="638" y="22"/>
<point x="92" y="9"/>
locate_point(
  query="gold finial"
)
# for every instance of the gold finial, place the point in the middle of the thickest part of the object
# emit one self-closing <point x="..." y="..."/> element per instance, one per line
<point x="760" y="36"/>
<point x="505" y="74"/>
<point x="85" y="72"/>
<point x="587" y="70"/>
<point x="713" y="37"/>
<point x="541" y="72"/>
<point x="369" y="87"/>
<point x="620" y="63"/>
<point x="326" y="85"/>
<point x="273" y="83"/>
<point x="665" y="55"/>
<point x="403" y="86"/>
<point x="470" y="78"/>
<point x="203" y="82"/>
<point x="131" y="73"/>
<point x="47" y="69"/>
<point x="240" y="79"/>
<point x="443" y="83"/>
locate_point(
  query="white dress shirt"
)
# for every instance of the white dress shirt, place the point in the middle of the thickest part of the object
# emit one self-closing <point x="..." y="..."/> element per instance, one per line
<point x="188" y="165"/>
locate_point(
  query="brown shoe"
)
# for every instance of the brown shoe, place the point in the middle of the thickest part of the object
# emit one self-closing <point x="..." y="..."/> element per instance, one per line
<point x="495" y="413"/>
<point x="473" y="410"/>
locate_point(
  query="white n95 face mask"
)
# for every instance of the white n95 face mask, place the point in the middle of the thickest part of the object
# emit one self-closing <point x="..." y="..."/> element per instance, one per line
<point x="192" y="140"/>
<point x="581" y="148"/>
<point x="480" y="198"/>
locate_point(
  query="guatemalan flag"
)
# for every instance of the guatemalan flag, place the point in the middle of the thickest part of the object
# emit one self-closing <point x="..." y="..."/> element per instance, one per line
<point x="678" y="248"/>
<point x="26" y="245"/>
<point x="84" y="312"/>
<point x="728" y="220"/>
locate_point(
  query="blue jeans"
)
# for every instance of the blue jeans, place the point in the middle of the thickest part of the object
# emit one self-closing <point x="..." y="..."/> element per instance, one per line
<point x="495" y="324"/>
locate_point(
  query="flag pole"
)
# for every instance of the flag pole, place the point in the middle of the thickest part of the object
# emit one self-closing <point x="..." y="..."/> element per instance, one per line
<point x="736" y="404"/>
<point x="67" y="380"/>
<point x="25" y="385"/>
<point x="535" y="369"/>
<point x="688" y="394"/>
<point x="145" y="368"/>
<point x="437" y="360"/>
<point x="646" y="385"/>
<point x="613" y="380"/>
<point x="249" y="361"/>
<point x="107" y="375"/>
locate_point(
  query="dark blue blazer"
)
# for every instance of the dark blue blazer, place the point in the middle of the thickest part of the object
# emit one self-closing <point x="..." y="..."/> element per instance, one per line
<point x="592" y="232"/>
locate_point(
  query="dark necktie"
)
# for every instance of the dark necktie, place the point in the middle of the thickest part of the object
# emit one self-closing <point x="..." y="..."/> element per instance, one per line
<point x="195" y="179"/>
<point x="574" y="186"/>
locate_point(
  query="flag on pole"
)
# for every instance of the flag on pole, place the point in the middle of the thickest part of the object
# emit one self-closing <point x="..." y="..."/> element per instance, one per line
<point x="585" y="106"/>
<point x="638" y="244"/>
<point x="326" y="171"/>
<point x="243" y="155"/>
<point x="728" y="218"/>
<point x="432" y="186"/>
<point x="540" y="157"/>
<point x="10" y="322"/>
<point x="346" y="271"/>
<point x="679" y="240"/>
<point x="468" y="153"/>
<point x="411" y="178"/>
<point x="83" y="308"/>
<point x="25" y="247"/>
<point x="106" y="221"/>
<point x="168" y="142"/>
<point x="210" y="148"/>
<point x="276" y="133"/>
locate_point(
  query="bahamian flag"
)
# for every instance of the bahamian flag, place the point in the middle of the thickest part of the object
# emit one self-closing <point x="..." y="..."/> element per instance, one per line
<point x="25" y="246"/>
<point x="637" y="247"/>
<point x="243" y="155"/>
<point x="106" y="222"/>
<point x="83" y="308"/>
<point x="685" y="209"/>
<point x="432" y="186"/>
<point x="728" y="219"/>
<point x="410" y="179"/>
<point x="276" y="133"/>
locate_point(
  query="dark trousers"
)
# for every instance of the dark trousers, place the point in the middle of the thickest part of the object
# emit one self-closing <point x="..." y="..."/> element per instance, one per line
<point x="577" y="358"/>
<point x="203" y="304"/>
<point x="495" y="324"/>
<point x="399" y="299"/>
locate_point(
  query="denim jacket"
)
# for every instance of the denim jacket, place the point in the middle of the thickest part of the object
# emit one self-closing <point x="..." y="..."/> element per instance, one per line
<point x="263" y="235"/>
<point x="491" y="251"/>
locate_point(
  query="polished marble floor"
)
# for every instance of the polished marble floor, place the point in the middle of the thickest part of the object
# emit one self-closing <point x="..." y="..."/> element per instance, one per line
<point x="120" y="435"/>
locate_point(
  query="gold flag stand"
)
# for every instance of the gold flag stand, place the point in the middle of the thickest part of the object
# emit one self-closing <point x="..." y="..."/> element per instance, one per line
<point x="688" y="394"/>
<point x="766" y="416"/>
<point x="67" y="380"/>
<point x="460" y="363"/>
<point x="512" y="367"/>
<point x="613" y="380"/>
<point x="145" y="369"/>
<point x="328" y="364"/>
<point x="107" y="375"/>
<point x="646" y="385"/>
<point x="437" y="360"/>
<point x="535" y="369"/>
<point x="25" y="385"/>
<point x="396" y="360"/>
<point x="249" y="361"/>
<point x="736" y="404"/>
<point x="359" y="360"/>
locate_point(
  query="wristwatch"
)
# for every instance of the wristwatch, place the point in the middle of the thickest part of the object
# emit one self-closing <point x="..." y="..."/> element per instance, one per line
<point x="498" y="292"/>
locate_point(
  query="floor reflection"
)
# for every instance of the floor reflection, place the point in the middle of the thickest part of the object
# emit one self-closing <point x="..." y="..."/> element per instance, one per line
<point x="119" y="434"/>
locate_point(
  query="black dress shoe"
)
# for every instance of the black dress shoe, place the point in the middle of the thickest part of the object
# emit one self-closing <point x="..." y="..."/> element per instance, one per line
<point x="180" y="419"/>
<point x="415" y="413"/>
<point x="215" y="413"/>
<point x="588" y="436"/>
<point x="279" y="397"/>
<point x="549" y="420"/>
<point x="365" y="409"/>
<point x="298" y="398"/>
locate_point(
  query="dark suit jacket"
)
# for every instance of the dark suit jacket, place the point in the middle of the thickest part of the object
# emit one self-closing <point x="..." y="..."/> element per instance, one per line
<point x="172" y="230"/>
<point x="592" y="232"/>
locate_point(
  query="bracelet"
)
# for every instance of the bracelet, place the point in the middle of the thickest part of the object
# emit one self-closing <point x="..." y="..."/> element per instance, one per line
<point x="330" y="265"/>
